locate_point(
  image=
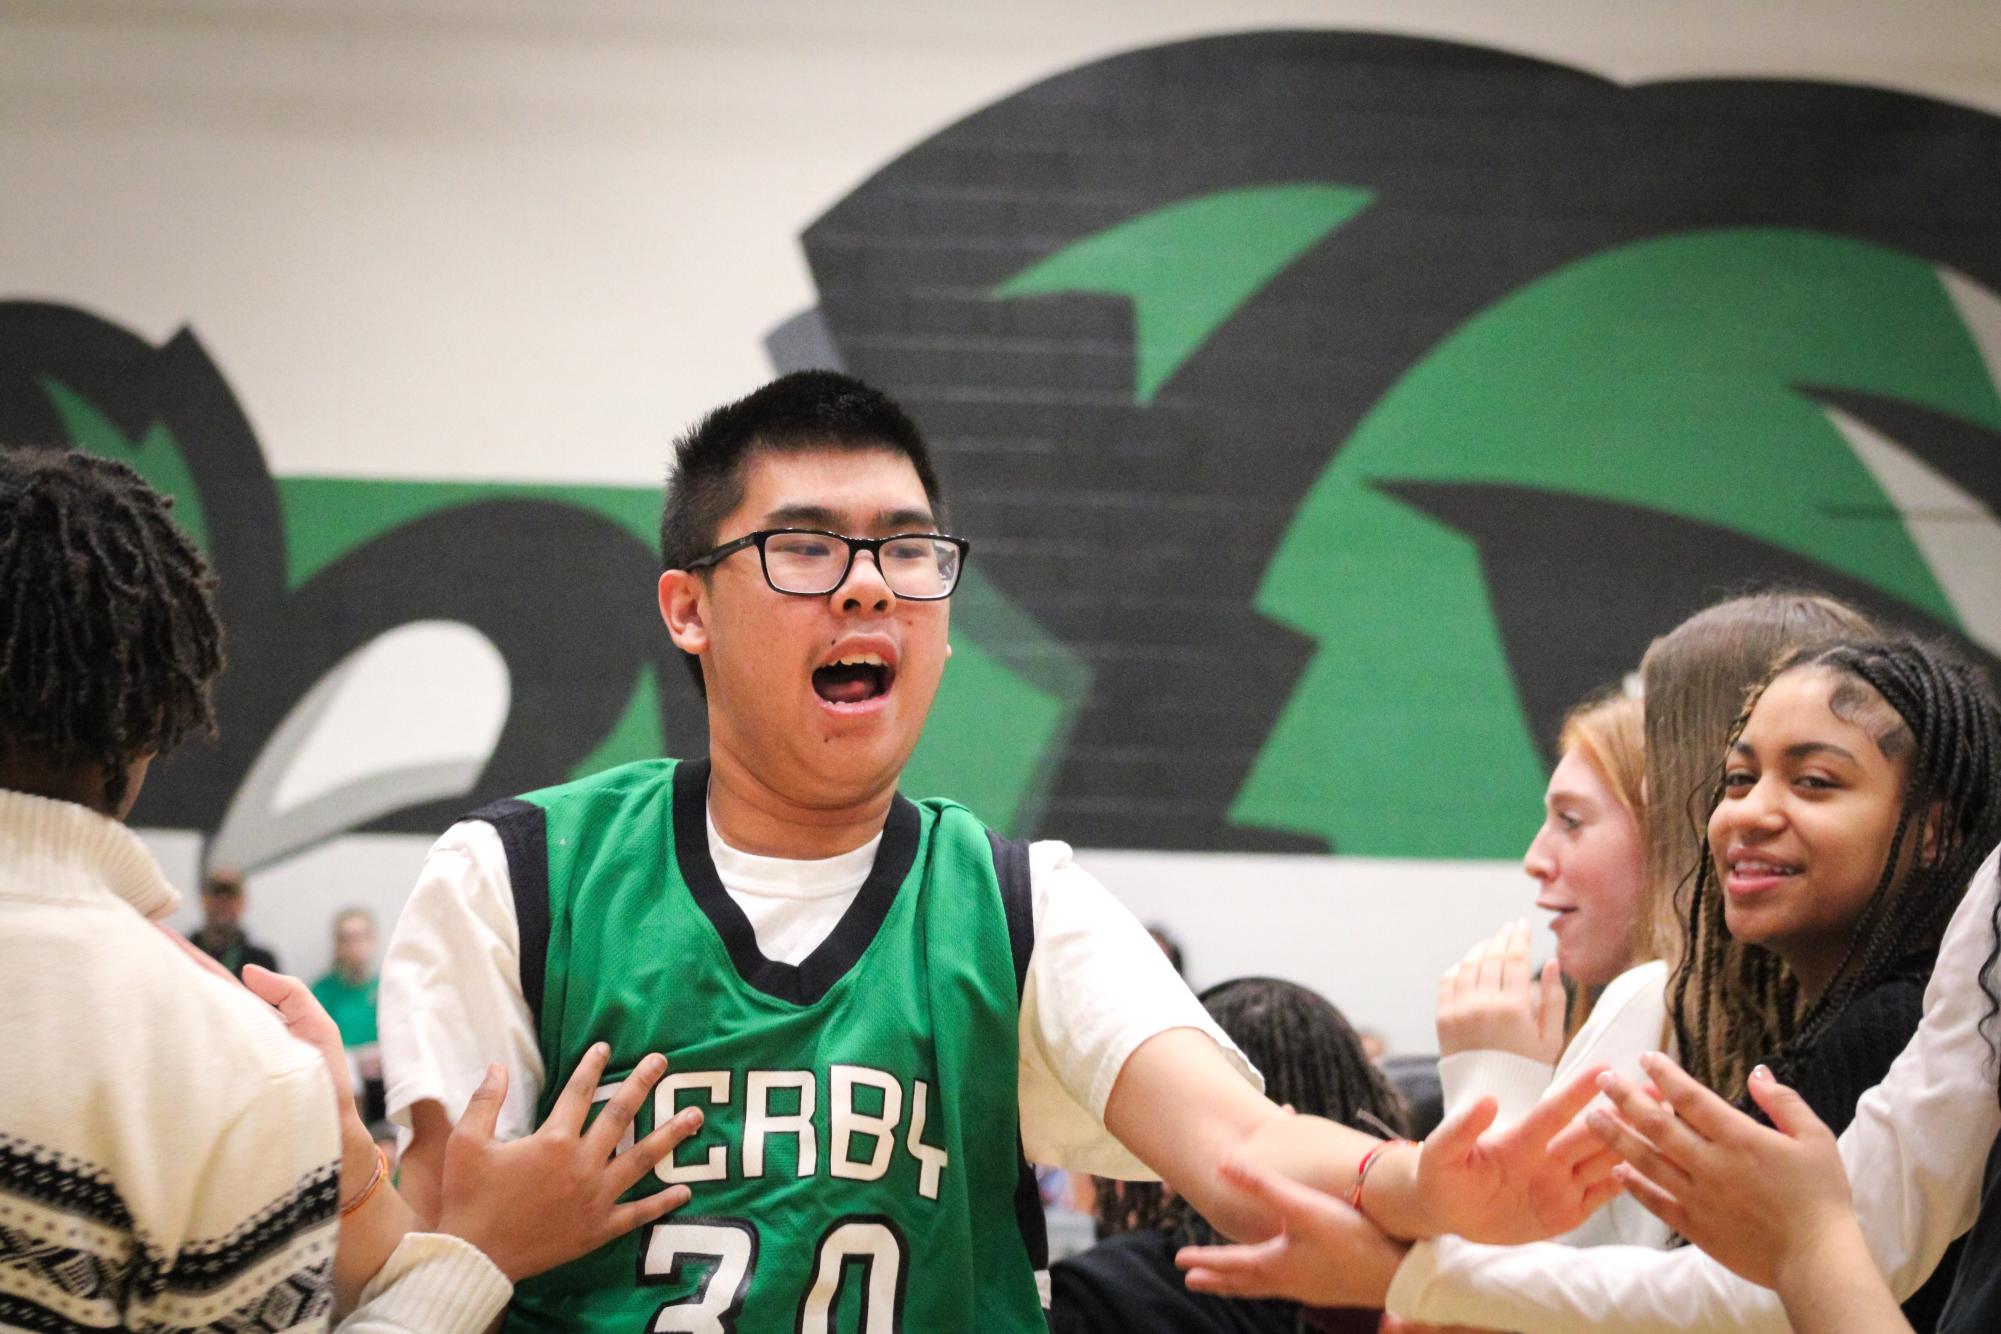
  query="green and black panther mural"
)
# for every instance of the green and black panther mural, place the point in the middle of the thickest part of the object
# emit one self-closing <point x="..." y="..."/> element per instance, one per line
<point x="1328" y="410"/>
<point x="1347" y="405"/>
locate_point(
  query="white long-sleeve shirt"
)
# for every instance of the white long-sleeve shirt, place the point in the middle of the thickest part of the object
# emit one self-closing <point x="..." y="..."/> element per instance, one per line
<point x="1629" y="1020"/>
<point x="1097" y="986"/>
<point x="1914" y="1155"/>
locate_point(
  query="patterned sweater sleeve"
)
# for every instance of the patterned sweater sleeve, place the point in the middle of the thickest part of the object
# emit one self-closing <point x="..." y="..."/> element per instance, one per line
<point x="254" y="1248"/>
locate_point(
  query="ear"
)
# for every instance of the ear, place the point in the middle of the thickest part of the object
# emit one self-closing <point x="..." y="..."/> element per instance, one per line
<point x="684" y="607"/>
<point x="1931" y="838"/>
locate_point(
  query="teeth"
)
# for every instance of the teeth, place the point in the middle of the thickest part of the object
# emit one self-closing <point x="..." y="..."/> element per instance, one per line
<point x="1764" y="868"/>
<point x="859" y="660"/>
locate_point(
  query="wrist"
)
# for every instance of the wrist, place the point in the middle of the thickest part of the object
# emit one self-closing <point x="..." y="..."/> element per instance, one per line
<point x="1389" y="1195"/>
<point x="1826" y="1240"/>
<point x="358" y="1157"/>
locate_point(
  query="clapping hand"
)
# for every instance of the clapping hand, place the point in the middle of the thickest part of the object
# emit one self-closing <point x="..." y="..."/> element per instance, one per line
<point x="1492" y="1001"/>
<point x="1750" y="1196"/>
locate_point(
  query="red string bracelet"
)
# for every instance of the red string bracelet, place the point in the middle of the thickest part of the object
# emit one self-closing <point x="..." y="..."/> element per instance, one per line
<point x="1369" y="1161"/>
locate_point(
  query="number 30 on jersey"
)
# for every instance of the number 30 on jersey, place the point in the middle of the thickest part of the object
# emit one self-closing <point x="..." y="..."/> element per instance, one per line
<point x="727" y="1247"/>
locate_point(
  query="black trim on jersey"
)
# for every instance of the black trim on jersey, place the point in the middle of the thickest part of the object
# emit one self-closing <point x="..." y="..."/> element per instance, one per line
<point x="1018" y="902"/>
<point x="806" y="982"/>
<point x="524" y="836"/>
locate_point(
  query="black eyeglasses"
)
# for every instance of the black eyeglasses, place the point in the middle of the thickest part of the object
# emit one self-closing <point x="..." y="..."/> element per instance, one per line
<point x="807" y="562"/>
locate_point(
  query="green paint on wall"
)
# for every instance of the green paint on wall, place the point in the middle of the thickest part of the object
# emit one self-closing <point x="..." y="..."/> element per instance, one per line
<point x="1191" y="265"/>
<point x="1663" y="374"/>
<point x="1002" y="719"/>
<point x="996" y="731"/>
<point x="155" y="457"/>
<point x="325" y="517"/>
<point x="635" y="736"/>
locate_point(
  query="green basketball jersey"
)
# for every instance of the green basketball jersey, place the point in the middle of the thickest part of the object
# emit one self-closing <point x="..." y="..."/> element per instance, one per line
<point x="859" y="1169"/>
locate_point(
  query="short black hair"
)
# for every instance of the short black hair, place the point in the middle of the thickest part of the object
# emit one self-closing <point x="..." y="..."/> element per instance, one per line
<point x="109" y="639"/>
<point x="801" y="411"/>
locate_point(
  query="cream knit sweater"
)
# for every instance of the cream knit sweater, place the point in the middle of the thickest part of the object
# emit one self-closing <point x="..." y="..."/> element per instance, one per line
<point x="167" y="1151"/>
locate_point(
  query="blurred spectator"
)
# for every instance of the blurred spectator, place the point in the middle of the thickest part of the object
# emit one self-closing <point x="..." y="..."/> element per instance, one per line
<point x="1374" y="1045"/>
<point x="348" y="993"/>
<point x="221" y="936"/>
<point x="1168" y="946"/>
<point x="1416" y="1078"/>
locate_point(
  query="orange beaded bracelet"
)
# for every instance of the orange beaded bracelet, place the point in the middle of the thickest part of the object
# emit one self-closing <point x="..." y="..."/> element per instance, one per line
<point x="374" y="1184"/>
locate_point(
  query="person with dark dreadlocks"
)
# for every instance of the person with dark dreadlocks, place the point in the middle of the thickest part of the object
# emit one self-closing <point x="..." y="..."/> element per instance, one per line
<point x="1313" y="1062"/>
<point x="171" y="1157"/>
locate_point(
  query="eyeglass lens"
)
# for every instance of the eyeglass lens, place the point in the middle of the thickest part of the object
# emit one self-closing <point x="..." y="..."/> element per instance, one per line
<point x="913" y="567"/>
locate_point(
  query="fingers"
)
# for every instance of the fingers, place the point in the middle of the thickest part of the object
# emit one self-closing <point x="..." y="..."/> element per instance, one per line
<point x="1787" y="1109"/>
<point x="567" y="1116"/>
<point x="1513" y="962"/>
<point x="1637" y="1149"/>
<point x="1488" y="974"/>
<point x="647" y="1209"/>
<point x="1703" y="1111"/>
<point x="611" y="1124"/>
<point x="1599" y="1194"/>
<point x="1656" y="1201"/>
<point x="1551" y="1005"/>
<point x="290" y="997"/>
<point x="1453" y="1141"/>
<point x="1673" y="1150"/>
<point x="1557" y="1108"/>
<point x="482" y="1112"/>
<point x="1232" y="1271"/>
<point x="1460" y="978"/>
<point x="643" y="1157"/>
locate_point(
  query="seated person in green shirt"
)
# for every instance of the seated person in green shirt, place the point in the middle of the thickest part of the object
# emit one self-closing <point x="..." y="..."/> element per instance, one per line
<point x="348" y="993"/>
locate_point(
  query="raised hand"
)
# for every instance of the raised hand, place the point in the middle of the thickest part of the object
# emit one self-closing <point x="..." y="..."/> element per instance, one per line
<point x="537" y="1202"/>
<point x="1755" y="1198"/>
<point x="1520" y="1183"/>
<point x="305" y="1019"/>
<point x="1325" y="1254"/>
<point x="1492" y="1001"/>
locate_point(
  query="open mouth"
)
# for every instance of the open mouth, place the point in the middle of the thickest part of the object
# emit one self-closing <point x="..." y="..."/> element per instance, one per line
<point x="1749" y="876"/>
<point x="853" y="679"/>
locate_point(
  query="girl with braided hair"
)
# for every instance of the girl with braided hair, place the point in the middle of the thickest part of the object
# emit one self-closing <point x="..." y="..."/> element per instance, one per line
<point x="1859" y="796"/>
<point x="1774" y="1204"/>
<point x="1842" y="860"/>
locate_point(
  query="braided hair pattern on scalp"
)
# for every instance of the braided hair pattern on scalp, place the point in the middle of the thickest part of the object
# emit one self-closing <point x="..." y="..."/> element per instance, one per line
<point x="1312" y="1061"/>
<point x="1946" y="722"/>
<point x="109" y="639"/>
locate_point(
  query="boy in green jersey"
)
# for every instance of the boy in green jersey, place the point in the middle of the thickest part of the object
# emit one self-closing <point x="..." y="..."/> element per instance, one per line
<point x="883" y="1010"/>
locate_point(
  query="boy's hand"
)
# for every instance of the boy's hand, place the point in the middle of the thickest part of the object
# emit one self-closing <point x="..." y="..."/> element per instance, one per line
<point x="1521" y="1183"/>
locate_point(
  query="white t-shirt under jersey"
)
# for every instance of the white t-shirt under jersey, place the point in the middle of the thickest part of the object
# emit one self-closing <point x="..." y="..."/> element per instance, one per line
<point x="1097" y="986"/>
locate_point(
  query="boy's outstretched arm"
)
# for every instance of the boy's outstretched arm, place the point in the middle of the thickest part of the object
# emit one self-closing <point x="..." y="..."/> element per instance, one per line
<point x="1181" y="1108"/>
